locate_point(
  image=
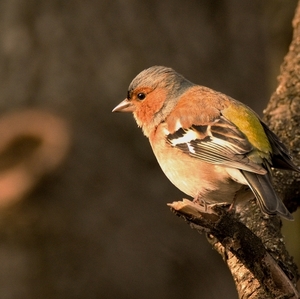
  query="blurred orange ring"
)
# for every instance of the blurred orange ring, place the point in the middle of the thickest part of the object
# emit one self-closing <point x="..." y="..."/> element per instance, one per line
<point x="54" y="134"/>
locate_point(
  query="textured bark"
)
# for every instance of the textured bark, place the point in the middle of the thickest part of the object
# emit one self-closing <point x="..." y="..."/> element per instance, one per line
<point x="250" y="243"/>
<point x="283" y="116"/>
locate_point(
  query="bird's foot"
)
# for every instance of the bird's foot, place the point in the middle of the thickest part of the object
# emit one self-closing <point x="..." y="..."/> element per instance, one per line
<point x="200" y="201"/>
<point x="231" y="207"/>
<point x="208" y="206"/>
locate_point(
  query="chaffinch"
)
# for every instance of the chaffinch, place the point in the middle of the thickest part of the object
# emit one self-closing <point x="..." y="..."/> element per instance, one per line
<point x="209" y="145"/>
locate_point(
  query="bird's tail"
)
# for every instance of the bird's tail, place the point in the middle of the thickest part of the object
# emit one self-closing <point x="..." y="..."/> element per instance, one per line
<point x="265" y="194"/>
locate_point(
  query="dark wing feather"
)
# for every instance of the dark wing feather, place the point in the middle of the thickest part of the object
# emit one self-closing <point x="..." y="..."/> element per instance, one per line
<point x="219" y="142"/>
<point x="267" y="199"/>
<point x="280" y="154"/>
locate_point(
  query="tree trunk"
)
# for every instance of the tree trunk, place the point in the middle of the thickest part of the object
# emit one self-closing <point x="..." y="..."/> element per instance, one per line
<point x="252" y="244"/>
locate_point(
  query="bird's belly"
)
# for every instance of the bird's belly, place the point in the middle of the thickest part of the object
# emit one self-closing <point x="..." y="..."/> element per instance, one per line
<point x="196" y="178"/>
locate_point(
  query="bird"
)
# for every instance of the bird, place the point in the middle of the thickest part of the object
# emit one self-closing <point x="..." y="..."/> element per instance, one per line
<point x="209" y="145"/>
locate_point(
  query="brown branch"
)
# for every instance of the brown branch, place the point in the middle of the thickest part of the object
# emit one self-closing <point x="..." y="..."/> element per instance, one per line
<point x="251" y="243"/>
<point x="254" y="250"/>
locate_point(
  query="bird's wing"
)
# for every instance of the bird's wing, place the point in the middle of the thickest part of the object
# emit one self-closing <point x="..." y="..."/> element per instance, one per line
<point x="280" y="154"/>
<point x="218" y="142"/>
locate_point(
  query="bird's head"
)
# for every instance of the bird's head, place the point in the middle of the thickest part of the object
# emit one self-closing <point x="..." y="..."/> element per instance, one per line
<point x="152" y="94"/>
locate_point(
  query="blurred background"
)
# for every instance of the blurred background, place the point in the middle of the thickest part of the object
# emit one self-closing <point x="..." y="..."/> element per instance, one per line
<point x="83" y="209"/>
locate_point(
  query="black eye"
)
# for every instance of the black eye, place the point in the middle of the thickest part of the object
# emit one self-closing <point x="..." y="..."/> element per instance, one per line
<point x="141" y="96"/>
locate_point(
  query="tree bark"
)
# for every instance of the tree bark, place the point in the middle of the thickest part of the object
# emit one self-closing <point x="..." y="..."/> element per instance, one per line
<point x="250" y="243"/>
<point x="283" y="116"/>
